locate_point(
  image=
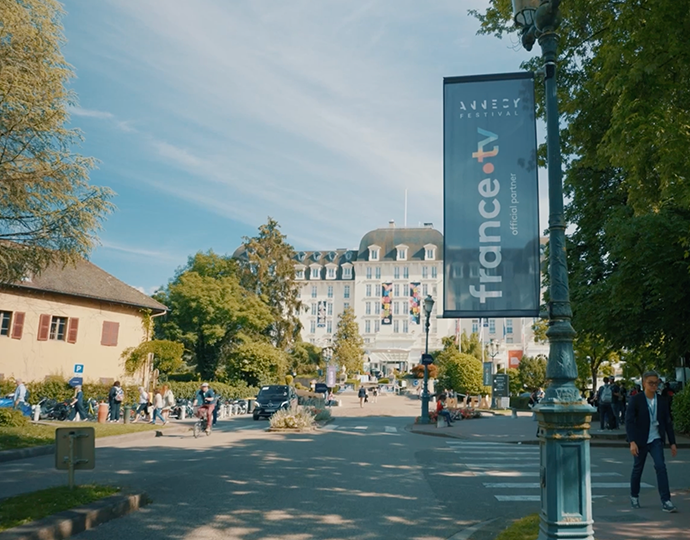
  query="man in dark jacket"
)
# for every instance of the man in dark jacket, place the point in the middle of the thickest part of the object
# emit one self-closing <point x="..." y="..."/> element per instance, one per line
<point x="648" y="423"/>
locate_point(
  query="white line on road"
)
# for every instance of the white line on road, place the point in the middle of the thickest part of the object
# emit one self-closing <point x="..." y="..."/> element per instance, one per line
<point x="535" y="485"/>
<point x="361" y="427"/>
<point x="472" y="453"/>
<point x="528" y="498"/>
<point x="391" y="429"/>
<point x="330" y="427"/>
<point x="529" y="473"/>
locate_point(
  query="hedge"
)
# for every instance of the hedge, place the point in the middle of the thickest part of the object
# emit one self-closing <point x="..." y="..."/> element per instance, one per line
<point x="12" y="418"/>
<point x="520" y="403"/>
<point x="681" y="411"/>
<point x="58" y="389"/>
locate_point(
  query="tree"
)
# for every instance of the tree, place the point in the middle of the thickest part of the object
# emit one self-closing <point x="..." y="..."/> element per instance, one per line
<point x="255" y="361"/>
<point x="208" y="313"/>
<point x="539" y="329"/>
<point x="532" y="372"/>
<point x="167" y="356"/>
<point x="460" y="372"/>
<point x="305" y="357"/>
<point x="591" y="352"/>
<point x="623" y="97"/>
<point x="471" y="345"/>
<point x="48" y="210"/>
<point x="348" y="345"/>
<point x="267" y="268"/>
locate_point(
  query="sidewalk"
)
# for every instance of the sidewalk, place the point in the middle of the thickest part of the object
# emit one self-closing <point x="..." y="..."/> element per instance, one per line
<point x="613" y="520"/>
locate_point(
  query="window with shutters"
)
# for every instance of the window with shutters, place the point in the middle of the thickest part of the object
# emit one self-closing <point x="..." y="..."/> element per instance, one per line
<point x="109" y="334"/>
<point x="12" y="324"/>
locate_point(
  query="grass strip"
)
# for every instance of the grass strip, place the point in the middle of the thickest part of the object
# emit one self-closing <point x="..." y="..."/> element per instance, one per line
<point x="526" y="528"/>
<point x="23" y="509"/>
<point x="12" y="438"/>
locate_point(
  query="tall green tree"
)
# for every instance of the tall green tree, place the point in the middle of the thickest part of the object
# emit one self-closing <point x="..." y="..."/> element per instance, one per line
<point x="210" y="313"/>
<point x="623" y="94"/>
<point x="471" y="345"/>
<point x="532" y="371"/>
<point x="254" y="360"/>
<point x="267" y="268"/>
<point x="305" y="357"/>
<point x="49" y="212"/>
<point x="460" y="372"/>
<point x="348" y="345"/>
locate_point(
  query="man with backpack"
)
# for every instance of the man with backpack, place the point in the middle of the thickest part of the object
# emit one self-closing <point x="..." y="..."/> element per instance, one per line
<point x="605" y="401"/>
<point x="115" y="398"/>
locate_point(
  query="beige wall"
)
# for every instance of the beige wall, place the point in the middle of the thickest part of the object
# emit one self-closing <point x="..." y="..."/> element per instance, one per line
<point x="33" y="360"/>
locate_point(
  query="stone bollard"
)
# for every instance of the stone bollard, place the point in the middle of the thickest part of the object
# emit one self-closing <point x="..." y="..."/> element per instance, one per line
<point x="37" y="413"/>
<point x="514" y="411"/>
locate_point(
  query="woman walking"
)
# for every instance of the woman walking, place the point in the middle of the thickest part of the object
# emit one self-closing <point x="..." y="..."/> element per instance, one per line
<point x="168" y="401"/>
<point x="143" y="404"/>
<point x="77" y="405"/>
<point x="115" y="398"/>
<point x="158" y="407"/>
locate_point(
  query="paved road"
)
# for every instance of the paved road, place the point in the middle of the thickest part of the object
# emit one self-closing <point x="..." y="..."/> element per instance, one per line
<point x="362" y="477"/>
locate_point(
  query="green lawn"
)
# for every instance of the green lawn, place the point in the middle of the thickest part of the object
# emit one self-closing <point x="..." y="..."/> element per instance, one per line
<point x="42" y="434"/>
<point x="526" y="528"/>
<point x="22" y="509"/>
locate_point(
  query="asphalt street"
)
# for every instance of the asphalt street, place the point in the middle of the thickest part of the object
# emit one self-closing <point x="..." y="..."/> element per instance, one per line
<point x="363" y="476"/>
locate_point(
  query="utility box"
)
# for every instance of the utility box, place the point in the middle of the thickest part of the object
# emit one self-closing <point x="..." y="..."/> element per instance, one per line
<point x="75" y="448"/>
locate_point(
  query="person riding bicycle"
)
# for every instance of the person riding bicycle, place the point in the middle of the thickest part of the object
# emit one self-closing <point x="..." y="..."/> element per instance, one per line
<point x="205" y="399"/>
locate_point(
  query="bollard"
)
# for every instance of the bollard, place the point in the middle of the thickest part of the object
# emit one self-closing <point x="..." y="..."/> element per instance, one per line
<point x="183" y="412"/>
<point x="103" y="413"/>
<point x="37" y="413"/>
<point x="514" y="410"/>
<point x="128" y="413"/>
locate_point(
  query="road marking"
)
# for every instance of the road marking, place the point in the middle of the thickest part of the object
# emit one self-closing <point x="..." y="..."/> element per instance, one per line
<point x="535" y="485"/>
<point x="487" y="444"/>
<point x="330" y="427"/>
<point x="361" y="427"/>
<point x="473" y="453"/>
<point x="466" y="533"/>
<point x="528" y="498"/>
<point x="391" y="429"/>
<point x="499" y="465"/>
<point x="529" y="473"/>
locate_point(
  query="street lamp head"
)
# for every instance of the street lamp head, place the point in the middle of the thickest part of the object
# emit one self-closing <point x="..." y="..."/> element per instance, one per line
<point x="523" y="12"/>
<point x="428" y="305"/>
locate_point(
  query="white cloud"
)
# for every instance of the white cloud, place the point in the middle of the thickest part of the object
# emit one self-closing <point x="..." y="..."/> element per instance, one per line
<point x="141" y="252"/>
<point x="78" y="111"/>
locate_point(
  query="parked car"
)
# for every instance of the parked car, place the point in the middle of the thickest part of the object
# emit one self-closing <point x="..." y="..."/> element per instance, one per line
<point x="8" y="402"/>
<point x="273" y="398"/>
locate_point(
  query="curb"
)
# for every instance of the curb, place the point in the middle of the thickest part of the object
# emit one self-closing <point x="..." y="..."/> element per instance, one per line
<point x="77" y="520"/>
<point x="23" y="453"/>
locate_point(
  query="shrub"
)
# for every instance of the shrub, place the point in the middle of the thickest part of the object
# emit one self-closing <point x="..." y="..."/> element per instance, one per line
<point x="318" y="403"/>
<point x="293" y="418"/>
<point x="12" y="418"/>
<point x="289" y="379"/>
<point x="519" y="403"/>
<point x="384" y="380"/>
<point x="321" y="415"/>
<point x="234" y="390"/>
<point x="184" y="377"/>
<point x="681" y="411"/>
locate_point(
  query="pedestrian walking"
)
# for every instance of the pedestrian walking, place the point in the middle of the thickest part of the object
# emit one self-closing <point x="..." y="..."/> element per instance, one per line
<point x="20" y="395"/>
<point x="375" y="395"/>
<point x="362" y="395"/>
<point x="648" y="423"/>
<point x="77" y="404"/>
<point x="115" y="398"/>
<point x="168" y="401"/>
<point x="605" y="401"/>
<point x="158" y="407"/>
<point x="143" y="404"/>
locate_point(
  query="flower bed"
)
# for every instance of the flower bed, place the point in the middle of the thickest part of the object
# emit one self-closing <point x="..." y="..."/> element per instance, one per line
<point x="465" y="413"/>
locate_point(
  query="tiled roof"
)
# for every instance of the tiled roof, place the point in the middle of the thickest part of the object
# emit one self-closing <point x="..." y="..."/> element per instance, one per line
<point x="86" y="280"/>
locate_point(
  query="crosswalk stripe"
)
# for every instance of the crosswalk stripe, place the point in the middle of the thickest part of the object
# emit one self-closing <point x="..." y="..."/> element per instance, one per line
<point x="361" y="427"/>
<point x="527" y="498"/>
<point x="487" y="444"/>
<point x="530" y="473"/>
<point x="391" y="429"/>
<point x="330" y="427"/>
<point x="473" y="453"/>
<point x="535" y="485"/>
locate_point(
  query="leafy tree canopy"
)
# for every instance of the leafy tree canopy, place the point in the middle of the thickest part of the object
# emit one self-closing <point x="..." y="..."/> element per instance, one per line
<point x="348" y="345"/>
<point x="532" y="372"/>
<point x="305" y="357"/>
<point x="167" y="356"/>
<point x="48" y="210"/>
<point x="460" y="372"/>
<point x="254" y="360"/>
<point x="267" y="269"/>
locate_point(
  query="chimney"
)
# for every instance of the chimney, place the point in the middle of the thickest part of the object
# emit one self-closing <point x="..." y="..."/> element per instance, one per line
<point x="391" y="224"/>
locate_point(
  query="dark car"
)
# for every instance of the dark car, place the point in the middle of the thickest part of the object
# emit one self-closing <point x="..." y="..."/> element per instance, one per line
<point x="273" y="398"/>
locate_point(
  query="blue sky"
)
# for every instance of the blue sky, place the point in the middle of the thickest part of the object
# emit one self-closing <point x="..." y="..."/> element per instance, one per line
<point x="208" y="116"/>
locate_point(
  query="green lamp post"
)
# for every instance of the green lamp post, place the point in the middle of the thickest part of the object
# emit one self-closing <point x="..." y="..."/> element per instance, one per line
<point x="564" y="417"/>
<point x="428" y="308"/>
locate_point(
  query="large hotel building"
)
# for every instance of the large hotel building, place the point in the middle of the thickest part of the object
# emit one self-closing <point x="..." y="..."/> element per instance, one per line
<point x="385" y="281"/>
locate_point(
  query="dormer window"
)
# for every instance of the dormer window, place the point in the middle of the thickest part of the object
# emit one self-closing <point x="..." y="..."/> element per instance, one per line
<point x="430" y="252"/>
<point x="401" y="252"/>
<point x="330" y="271"/>
<point x="299" y="272"/>
<point x="347" y="271"/>
<point x="316" y="255"/>
<point x="315" y="272"/>
<point x="374" y="252"/>
<point x="332" y="255"/>
<point x="301" y="256"/>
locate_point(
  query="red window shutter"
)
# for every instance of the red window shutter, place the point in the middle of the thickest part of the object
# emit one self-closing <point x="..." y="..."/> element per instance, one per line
<point x="72" y="328"/>
<point x="110" y="333"/>
<point x="18" y="325"/>
<point x="43" y="328"/>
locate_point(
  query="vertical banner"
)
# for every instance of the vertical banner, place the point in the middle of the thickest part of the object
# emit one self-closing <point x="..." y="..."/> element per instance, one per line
<point x="491" y="211"/>
<point x="415" y="303"/>
<point x="514" y="358"/>
<point x="487" y="371"/>
<point x="321" y="314"/>
<point x="386" y="296"/>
